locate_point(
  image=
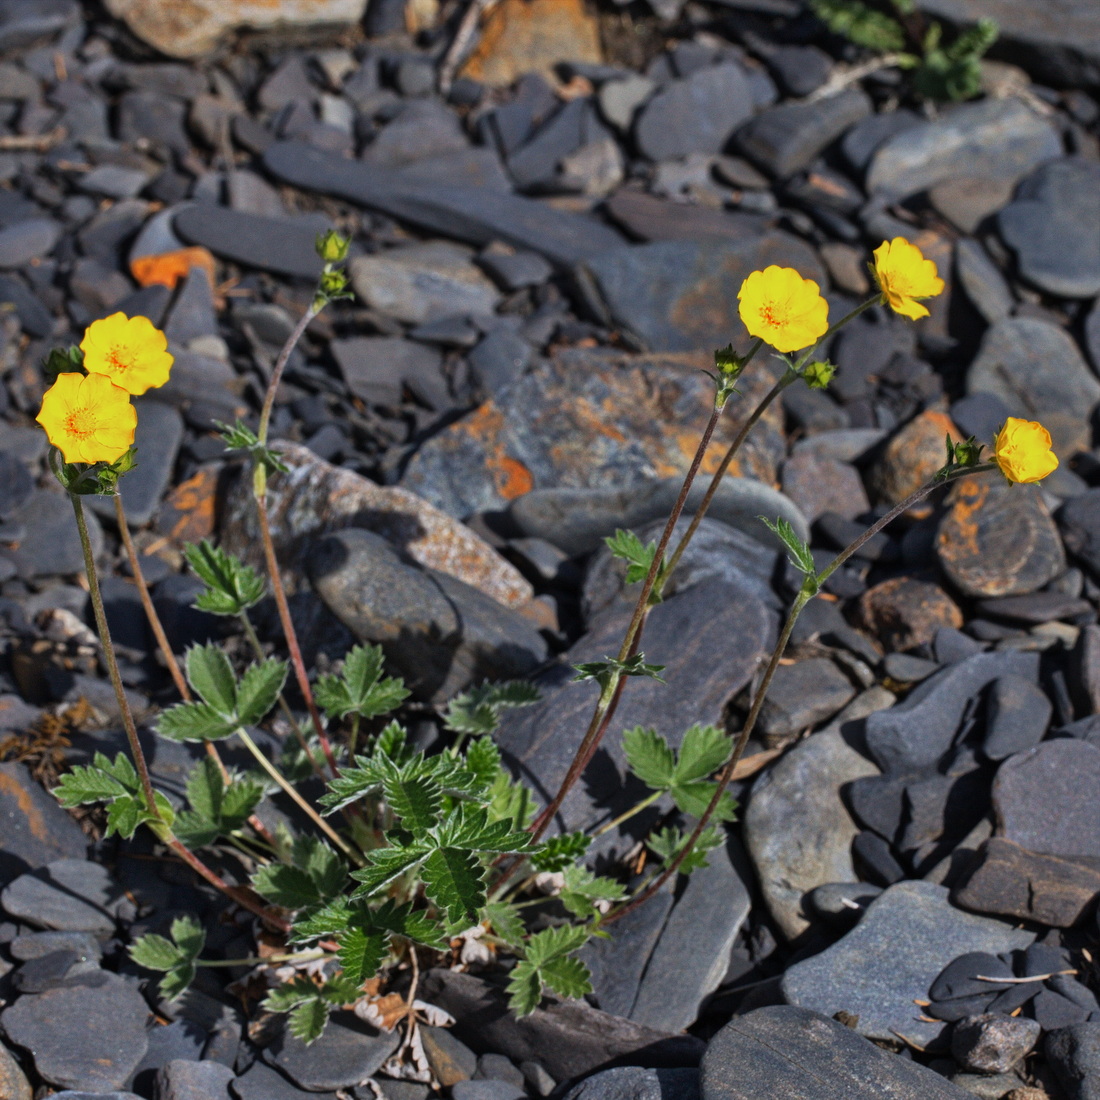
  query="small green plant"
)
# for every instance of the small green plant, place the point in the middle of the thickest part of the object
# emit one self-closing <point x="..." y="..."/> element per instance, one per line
<point x="941" y="72"/>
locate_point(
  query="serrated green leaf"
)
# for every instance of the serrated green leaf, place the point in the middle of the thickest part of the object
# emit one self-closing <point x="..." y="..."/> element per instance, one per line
<point x="361" y="953"/>
<point x="307" y="1021"/>
<point x="233" y="587"/>
<point x="483" y="760"/>
<point x="477" y="711"/>
<point x="330" y="920"/>
<point x="290" y="887"/>
<point x="195" y="722"/>
<point x="559" y="852"/>
<point x="567" y="977"/>
<point x="416" y="800"/>
<point x="211" y="676"/>
<point x="391" y="742"/>
<point x="506" y="922"/>
<point x="241" y="797"/>
<point x="155" y="952"/>
<point x="259" y="688"/>
<point x="797" y="550"/>
<point x="667" y="843"/>
<point x="703" y="751"/>
<point x="649" y="757"/>
<point x="386" y="865"/>
<point x="582" y="890"/>
<point x="524" y="988"/>
<point x="694" y="798"/>
<point x="469" y="827"/>
<point x="361" y="781"/>
<point x="124" y="815"/>
<point x="92" y="783"/>
<point x="605" y="671"/>
<point x="176" y="981"/>
<point x="284" y="997"/>
<point x="195" y="831"/>
<point x="205" y="788"/>
<point x="510" y="801"/>
<point x="555" y="943"/>
<point x="627" y="546"/>
<point x="325" y="868"/>
<point x="454" y="880"/>
<point x="189" y="936"/>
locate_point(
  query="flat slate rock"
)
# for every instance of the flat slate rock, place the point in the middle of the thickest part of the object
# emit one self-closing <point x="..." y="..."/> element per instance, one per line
<point x="1009" y="881"/>
<point x="59" y="1028"/>
<point x="67" y="895"/>
<point x="1037" y="368"/>
<point x="694" y="115"/>
<point x="909" y="933"/>
<point x="797" y="1054"/>
<point x="650" y="218"/>
<point x="567" y="1039"/>
<point x="997" y="539"/>
<point x="51" y="545"/>
<point x="1005" y="136"/>
<point x="347" y="1054"/>
<point x="578" y="520"/>
<point x="261" y="1082"/>
<point x="784" y="139"/>
<point x="681" y="295"/>
<point x="316" y="498"/>
<point x="34" y="829"/>
<point x="464" y="213"/>
<point x="282" y="245"/>
<point x="710" y="640"/>
<point x="917" y="732"/>
<point x="691" y="956"/>
<point x="797" y="828"/>
<point x="590" y="419"/>
<point x="1053" y="226"/>
<point x="1043" y="798"/>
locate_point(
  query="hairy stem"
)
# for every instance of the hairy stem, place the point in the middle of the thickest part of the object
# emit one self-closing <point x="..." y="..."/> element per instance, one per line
<point x="808" y="592"/>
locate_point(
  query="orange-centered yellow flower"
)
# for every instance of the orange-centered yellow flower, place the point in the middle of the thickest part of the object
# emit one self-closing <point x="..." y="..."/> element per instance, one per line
<point x="128" y="350"/>
<point x="1022" y="450"/>
<point x="783" y="309"/>
<point x="88" y="418"/>
<point x="904" y="275"/>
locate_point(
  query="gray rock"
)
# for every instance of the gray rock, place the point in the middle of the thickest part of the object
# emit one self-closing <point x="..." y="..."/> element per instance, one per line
<point x="182" y="1080"/>
<point x="181" y="1040"/>
<point x="423" y="282"/>
<point x="1017" y="718"/>
<point x="376" y="368"/>
<point x="710" y="640"/>
<point x="1054" y="774"/>
<point x="796" y="1054"/>
<point x="619" y="100"/>
<point x="193" y="313"/>
<point x="51" y="545"/>
<point x="636" y="1083"/>
<point x="618" y="962"/>
<point x="993" y="1042"/>
<point x="69" y="895"/>
<point x="797" y="829"/>
<point x="917" y="732"/>
<point x="54" y="1027"/>
<point x="27" y="240"/>
<point x="696" y="115"/>
<point x="984" y="284"/>
<point x="35" y="945"/>
<point x="1004" y="136"/>
<point x="1053" y="225"/>
<point x="692" y="954"/>
<point x="261" y="1082"/>
<point x="440" y="633"/>
<point x="420" y="131"/>
<point x="801" y="696"/>
<point x="578" y="520"/>
<point x="113" y="181"/>
<point x="459" y="211"/>
<point x="1074" y="1052"/>
<point x="36" y="829"/>
<point x="24" y="25"/>
<point x="282" y="245"/>
<point x="486" y="1090"/>
<point x="499" y="360"/>
<point x="1079" y="521"/>
<point x="866" y="974"/>
<point x="785" y="139"/>
<point x="860" y="142"/>
<point x="567" y="1039"/>
<point x="347" y="1053"/>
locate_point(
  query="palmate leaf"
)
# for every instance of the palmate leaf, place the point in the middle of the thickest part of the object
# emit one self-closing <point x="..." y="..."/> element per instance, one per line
<point x="454" y="881"/>
<point x="363" y="780"/>
<point x="307" y="1021"/>
<point x="360" y="688"/>
<point x="797" y="550"/>
<point x="627" y="545"/>
<point x="417" y="799"/>
<point x="211" y="675"/>
<point x="259" y="688"/>
<point x="386" y="865"/>
<point x="290" y="887"/>
<point x="560" y="852"/>
<point x="582" y="890"/>
<point x="206" y="789"/>
<point x="361" y="953"/>
<point x="650" y="757"/>
<point x="195" y="722"/>
<point x="668" y="842"/>
<point x="547" y="963"/>
<point x="175" y="956"/>
<point x="478" y="710"/>
<point x="232" y="586"/>
<point x="703" y="751"/>
<point x="324" y="866"/>
<point x="506" y="922"/>
<point x="99" y="781"/>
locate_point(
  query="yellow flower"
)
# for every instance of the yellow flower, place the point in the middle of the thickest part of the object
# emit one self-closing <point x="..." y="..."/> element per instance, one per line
<point x="904" y="275"/>
<point x="88" y="418"/>
<point x="783" y="309"/>
<point x="128" y="350"/>
<point x="1022" y="450"/>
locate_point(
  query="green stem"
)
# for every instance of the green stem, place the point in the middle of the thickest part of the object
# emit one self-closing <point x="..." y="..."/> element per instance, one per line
<point x="809" y="590"/>
<point x="353" y="736"/>
<point x="298" y="800"/>
<point x="300" y="956"/>
<point x="628" y="814"/>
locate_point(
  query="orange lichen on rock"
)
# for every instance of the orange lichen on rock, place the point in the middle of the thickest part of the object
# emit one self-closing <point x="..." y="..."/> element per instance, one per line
<point x="167" y="268"/>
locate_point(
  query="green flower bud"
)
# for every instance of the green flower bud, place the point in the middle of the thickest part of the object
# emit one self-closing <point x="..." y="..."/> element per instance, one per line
<point x="332" y="248"/>
<point x="819" y="374"/>
<point x="727" y="361"/>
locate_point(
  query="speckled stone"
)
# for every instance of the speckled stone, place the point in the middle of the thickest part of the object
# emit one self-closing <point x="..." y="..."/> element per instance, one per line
<point x="903" y="612"/>
<point x="997" y="539"/>
<point x="912" y="456"/>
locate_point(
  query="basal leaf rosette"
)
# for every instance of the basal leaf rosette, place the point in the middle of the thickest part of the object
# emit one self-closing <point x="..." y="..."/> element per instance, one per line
<point x="783" y="309"/>
<point x="1022" y="451"/>
<point x="129" y="351"/>
<point x="88" y="418"/>
<point x="904" y="276"/>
